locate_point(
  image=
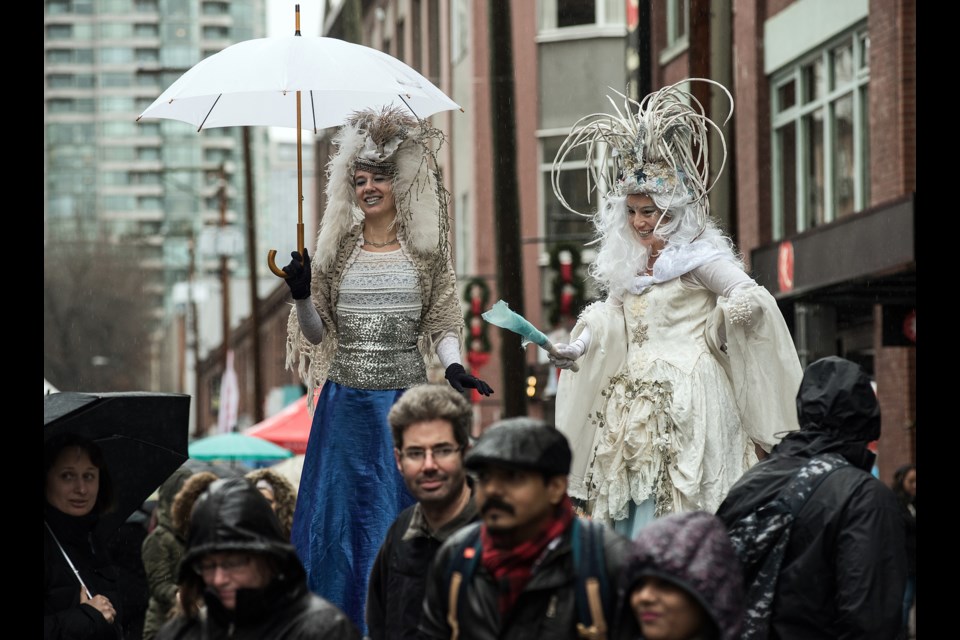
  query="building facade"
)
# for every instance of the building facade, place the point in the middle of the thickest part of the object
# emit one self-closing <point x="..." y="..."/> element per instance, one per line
<point x="153" y="185"/>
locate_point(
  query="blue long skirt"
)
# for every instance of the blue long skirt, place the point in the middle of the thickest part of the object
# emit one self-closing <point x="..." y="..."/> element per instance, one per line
<point x="350" y="493"/>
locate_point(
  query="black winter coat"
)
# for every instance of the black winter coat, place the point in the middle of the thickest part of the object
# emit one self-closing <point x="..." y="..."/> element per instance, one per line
<point x="545" y="609"/>
<point x="63" y="615"/>
<point x="232" y="516"/>
<point x="266" y="614"/>
<point x="398" y="581"/>
<point x="843" y="573"/>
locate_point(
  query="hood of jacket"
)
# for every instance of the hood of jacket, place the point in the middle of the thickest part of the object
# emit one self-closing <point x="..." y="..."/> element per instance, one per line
<point x="691" y="550"/>
<point x="836" y="397"/>
<point x="233" y="516"/>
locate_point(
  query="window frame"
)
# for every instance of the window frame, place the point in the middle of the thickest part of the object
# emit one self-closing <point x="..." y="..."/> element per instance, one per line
<point x="798" y="115"/>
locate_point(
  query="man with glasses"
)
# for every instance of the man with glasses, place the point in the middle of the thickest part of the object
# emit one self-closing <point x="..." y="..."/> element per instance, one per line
<point x="431" y="433"/>
<point x="241" y="578"/>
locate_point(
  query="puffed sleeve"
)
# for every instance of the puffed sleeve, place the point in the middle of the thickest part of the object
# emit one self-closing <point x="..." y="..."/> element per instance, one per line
<point x="748" y="335"/>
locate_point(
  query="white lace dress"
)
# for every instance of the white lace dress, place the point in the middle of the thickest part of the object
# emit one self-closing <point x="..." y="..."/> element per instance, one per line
<point x="676" y="385"/>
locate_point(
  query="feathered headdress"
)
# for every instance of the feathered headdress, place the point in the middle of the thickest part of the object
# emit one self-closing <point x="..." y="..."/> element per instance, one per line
<point x="661" y="149"/>
<point x="392" y="142"/>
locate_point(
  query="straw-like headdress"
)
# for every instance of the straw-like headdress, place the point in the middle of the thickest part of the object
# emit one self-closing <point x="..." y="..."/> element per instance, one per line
<point x="656" y="147"/>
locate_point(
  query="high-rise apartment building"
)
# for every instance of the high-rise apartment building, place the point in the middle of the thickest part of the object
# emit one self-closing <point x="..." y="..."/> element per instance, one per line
<point x="154" y="184"/>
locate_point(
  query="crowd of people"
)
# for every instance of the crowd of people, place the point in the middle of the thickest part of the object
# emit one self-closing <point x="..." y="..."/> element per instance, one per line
<point x="698" y="484"/>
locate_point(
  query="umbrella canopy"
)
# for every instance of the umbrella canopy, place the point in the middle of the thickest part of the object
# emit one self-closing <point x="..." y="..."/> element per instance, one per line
<point x="143" y="437"/>
<point x="294" y="81"/>
<point x="255" y="83"/>
<point x="290" y="428"/>
<point x="236" y="446"/>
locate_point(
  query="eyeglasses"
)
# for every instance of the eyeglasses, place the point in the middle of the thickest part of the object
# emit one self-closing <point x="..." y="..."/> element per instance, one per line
<point x="440" y="453"/>
<point x="229" y="564"/>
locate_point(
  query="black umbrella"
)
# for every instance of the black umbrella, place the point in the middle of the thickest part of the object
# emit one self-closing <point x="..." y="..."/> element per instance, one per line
<point x="143" y="437"/>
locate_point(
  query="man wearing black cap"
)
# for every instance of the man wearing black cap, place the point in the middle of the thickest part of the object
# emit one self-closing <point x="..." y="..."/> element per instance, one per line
<point x="530" y="568"/>
<point x="842" y="572"/>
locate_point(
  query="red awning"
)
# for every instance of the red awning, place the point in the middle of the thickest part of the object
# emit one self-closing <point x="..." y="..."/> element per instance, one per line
<point x="290" y="428"/>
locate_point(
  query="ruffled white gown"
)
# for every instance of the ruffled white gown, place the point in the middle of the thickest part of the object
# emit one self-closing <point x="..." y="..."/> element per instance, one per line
<point x="675" y="387"/>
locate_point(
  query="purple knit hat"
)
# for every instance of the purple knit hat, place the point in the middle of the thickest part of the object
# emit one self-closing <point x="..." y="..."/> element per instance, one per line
<point x="691" y="550"/>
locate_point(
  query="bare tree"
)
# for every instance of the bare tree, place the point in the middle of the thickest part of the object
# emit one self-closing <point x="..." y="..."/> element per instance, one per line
<point x="96" y="318"/>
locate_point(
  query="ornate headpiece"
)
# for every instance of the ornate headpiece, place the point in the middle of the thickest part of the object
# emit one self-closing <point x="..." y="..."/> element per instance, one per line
<point x="659" y="150"/>
<point x="392" y="142"/>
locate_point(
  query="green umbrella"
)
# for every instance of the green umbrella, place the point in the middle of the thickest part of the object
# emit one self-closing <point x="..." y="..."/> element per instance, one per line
<point x="236" y="446"/>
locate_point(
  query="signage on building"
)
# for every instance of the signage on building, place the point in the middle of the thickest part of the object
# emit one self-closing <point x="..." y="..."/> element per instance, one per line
<point x="899" y="326"/>
<point x="785" y="266"/>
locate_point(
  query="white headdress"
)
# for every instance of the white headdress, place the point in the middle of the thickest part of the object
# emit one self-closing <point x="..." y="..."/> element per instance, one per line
<point x="393" y="142"/>
<point x="659" y="150"/>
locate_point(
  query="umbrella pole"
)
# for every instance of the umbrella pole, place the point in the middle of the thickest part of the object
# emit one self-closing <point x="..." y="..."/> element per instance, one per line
<point x="299" y="153"/>
<point x="299" y="175"/>
<point x="272" y="255"/>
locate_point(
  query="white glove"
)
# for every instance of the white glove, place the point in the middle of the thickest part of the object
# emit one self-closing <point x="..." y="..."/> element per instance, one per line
<point x="564" y="355"/>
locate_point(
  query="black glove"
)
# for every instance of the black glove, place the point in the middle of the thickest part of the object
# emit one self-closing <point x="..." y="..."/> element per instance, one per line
<point x="459" y="379"/>
<point x="298" y="275"/>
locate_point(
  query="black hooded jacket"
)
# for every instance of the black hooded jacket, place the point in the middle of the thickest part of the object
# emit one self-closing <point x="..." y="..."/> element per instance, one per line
<point x="843" y="574"/>
<point x="233" y="516"/>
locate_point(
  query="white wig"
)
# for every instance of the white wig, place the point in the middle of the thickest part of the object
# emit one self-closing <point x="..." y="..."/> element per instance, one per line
<point x="621" y="258"/>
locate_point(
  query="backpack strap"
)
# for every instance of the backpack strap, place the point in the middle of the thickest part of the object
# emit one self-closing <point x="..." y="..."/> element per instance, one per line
<point x="461" y="568"/>
<point x="809" y="477"/>
<point x="592" y="589"/>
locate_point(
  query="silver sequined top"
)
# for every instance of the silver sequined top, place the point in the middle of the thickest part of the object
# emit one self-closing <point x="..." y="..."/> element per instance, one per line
<point x="378" y="322"/>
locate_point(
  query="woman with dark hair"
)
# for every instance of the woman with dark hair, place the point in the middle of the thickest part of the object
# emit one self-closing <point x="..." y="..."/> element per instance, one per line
<point x="682" y="581"/>
<point x="80" y="584"/>
<point x="905" y="487"/>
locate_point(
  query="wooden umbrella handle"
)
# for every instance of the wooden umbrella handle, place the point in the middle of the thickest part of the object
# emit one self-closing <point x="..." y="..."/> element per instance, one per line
<point x="272" y="254"/>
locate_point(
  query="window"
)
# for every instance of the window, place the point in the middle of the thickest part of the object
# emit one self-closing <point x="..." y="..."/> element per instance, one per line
<point x="148" y="153"/>
<point x="117" y="154"/>
<point x="678" y="22"/>
<point x="114" y="6"/>
<point x="565" y="14"/>
<point x="459" y="30"/>
<point x="70" y="105"/>
<point x="70" y="56"/>
<point x="59" y="31"/>
<point x="116" y="55"/>
<point x="147" y="55"/>
<point x="561" y="225"/>
<point x="116" y="79"/>
<point x="820" y="136"/>
<point x="70" y="81"/>
<point x="571" y="13"/>
<point x="116" y="103"/>
<point x="215" y="32"/>
<point x="216" y="8"/>
<point x="146" y="31"/>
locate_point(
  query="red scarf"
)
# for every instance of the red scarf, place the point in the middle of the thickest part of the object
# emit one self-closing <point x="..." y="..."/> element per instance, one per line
<point x="512" y="568"/>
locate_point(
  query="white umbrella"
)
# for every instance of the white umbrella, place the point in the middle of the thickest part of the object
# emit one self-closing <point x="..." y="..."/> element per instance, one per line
<point x="256" y="82"/>
<point x="270" y="81"/>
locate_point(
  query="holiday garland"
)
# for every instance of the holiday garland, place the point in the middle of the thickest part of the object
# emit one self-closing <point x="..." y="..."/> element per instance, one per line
<point x="477" y="296"/>
<point x="568" y="290"/>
